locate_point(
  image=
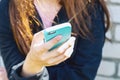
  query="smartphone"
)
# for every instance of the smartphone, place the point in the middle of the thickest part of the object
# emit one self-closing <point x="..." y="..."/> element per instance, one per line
<point x="63" y="29"/>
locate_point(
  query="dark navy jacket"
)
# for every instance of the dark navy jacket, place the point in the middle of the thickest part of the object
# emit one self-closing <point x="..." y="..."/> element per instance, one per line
<point x="82" y="65"/>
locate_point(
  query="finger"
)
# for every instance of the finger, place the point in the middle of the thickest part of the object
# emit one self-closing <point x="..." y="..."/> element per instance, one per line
<point x="61" y="60"/>
<point x="37" y="41"/>
<point x="51" y="54"/>
<point x="55" y="52"/>
<point x="38" y="37"/>
<point x="57" y="60"/>
<point x="66" y="45"/>
<point x="69" y="51"/>
<point x="48" y="45"/>
<point x="64" y="57"/>
<point x="44" y="47"/>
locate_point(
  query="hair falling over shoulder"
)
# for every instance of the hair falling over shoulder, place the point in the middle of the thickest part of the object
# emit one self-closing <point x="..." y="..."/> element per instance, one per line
<point x="20" y="12"/>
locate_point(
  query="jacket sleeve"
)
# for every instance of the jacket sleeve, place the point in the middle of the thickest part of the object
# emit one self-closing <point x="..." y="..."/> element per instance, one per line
<point x="84" y="63"/>
<point x="10" y="53"/>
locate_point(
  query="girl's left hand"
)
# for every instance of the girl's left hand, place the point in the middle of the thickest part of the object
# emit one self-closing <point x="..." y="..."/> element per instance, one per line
<point x="3" y="74"/>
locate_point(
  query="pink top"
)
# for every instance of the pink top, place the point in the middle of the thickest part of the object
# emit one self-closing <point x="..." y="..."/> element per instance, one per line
<point x="47" y="19"/>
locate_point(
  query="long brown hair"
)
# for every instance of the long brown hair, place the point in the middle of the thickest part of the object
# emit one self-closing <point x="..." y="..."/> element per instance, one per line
<point x="21" y="11"/>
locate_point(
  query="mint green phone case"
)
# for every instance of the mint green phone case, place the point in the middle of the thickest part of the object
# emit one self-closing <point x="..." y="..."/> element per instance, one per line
<point x="63" y="29"/>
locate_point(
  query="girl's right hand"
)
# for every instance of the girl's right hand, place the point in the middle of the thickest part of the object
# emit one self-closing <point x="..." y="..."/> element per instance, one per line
<point x="40" y="56"/>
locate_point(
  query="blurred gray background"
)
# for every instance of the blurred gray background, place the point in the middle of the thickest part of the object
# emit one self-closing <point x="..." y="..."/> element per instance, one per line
<point x="110" y="66"/>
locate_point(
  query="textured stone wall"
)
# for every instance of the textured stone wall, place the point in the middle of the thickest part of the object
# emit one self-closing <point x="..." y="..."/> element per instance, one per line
<point x="110" y="65"/>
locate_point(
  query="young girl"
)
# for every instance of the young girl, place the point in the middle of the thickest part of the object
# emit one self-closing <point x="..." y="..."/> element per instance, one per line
<point x="21" y="22"/>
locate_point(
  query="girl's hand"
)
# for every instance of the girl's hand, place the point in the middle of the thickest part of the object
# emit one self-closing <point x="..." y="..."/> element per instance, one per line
<point x="3" y="74"/>
<point x="40" y="56"/>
